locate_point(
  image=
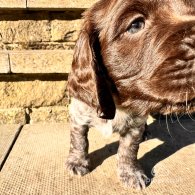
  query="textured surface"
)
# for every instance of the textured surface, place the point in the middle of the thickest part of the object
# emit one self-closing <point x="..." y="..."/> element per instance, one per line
<point x="36" y="163"/>
<point x="64" y="30"/>
<point x="32" y="92"/>
<point x="37" y="47"/>
<point x="7" y="133"/>
<point x="36" y="61"/>
<point x="12" y="116"/>
<point x="49" y="114"/>
<point x="22" y="30"/>
<point x="4" y="63"/>
<point x="12" y="3"/>
<point x="45" y="4"/>
<point x="59" y="4"/>
<point x="41" y="61"/>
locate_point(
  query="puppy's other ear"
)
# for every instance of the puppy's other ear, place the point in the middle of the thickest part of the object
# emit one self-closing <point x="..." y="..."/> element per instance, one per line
<point x="88" y="80"/>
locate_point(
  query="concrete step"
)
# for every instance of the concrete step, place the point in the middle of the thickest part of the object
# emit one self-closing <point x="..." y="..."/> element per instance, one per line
<point x="36" y="162"/>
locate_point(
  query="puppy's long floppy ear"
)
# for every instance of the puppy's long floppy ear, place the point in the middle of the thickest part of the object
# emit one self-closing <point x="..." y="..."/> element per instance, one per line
<point x="88" y="80"/>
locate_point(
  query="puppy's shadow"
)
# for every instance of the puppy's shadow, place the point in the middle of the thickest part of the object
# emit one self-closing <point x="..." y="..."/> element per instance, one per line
<point x="97" y="157"/>
<point x="175" y="135"/>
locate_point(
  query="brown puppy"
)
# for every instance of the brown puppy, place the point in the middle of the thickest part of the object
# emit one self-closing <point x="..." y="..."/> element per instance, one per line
<point x="132" y="58"/>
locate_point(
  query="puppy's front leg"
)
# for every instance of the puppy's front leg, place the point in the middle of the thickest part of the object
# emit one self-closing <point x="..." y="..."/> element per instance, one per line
<point x="129" y="170"/>
<point x="78" y="162"/>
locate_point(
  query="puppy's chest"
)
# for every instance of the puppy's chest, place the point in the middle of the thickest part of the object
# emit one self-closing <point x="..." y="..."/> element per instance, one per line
<point x="107" y="127"/>
<point x="82" y="114"/>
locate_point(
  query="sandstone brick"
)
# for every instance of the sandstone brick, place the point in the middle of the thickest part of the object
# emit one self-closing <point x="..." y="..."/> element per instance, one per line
<point x="4" y="63"/>
<point x="22" y="31"/>
<point x="12" y="116"/>
<point x="49" y="114"/>
<point x="12" y="3"/>
<point x="64" y="30"/>
<point x="26" y="91"/>
<point x="59" y="4"/>
<point x="24" y="28"/>
<point x="41" y="61"/>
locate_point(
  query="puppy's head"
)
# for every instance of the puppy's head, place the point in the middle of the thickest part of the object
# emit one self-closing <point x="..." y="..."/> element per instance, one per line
<point x="141" y="52"/>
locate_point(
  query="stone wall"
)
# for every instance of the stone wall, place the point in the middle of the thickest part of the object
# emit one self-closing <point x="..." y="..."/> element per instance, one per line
<point x="37" y="39"/>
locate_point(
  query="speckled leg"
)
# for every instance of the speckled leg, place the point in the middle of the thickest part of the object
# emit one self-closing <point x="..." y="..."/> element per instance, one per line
<point x="129" y="169"/>
<point x="77" y="162"/>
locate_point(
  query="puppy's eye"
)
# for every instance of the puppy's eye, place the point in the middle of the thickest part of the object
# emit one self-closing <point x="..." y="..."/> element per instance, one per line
<point x="137" y="25"/>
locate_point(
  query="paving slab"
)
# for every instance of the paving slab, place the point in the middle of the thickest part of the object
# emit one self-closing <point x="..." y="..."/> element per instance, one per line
<point x="7" y="134"/>
<point x="36" y="163"/>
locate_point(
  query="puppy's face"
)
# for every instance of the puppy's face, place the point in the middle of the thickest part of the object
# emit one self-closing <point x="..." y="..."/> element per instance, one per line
<point x="148" y="50"/>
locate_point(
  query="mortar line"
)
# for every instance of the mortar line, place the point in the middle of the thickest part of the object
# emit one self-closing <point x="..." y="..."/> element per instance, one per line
<point x="11" y="146"/>
<point x="9" y="61"/>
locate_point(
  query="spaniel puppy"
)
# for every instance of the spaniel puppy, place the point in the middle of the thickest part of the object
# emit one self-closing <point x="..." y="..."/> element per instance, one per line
<point x="132" y="58"/>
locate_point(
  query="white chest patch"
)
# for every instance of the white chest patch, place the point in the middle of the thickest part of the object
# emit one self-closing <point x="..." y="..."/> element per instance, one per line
<point x="85" y="115"/>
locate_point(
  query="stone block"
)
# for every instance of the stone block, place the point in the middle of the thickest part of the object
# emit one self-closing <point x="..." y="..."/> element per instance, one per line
<point x="12" y="116"/>
<point x="49" y="114"/>
<point x="41" y="61"/>
<point x="59" y="4"/>
<point x="64" y="30"/>
<point x="27" y="91"/>
<point x="11" y="4"/>
<point x="44" y="31"/>
<point x="24" y="28"/>
<point x="4" y="63"/>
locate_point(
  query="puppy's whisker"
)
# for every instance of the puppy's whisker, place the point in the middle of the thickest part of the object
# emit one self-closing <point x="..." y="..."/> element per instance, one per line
<point x="171" y="118"/>
<point x="186" y="99"/>
<point x="190" y="116"/>
<point x="193" y="88"/>
<point x="168" y="127"/>
<point x="188" y="107"/>
<point x="182" y="125"/>
<point x="171" y="114"/>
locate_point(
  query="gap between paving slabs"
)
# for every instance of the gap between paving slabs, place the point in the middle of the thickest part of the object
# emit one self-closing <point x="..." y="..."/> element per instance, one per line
<point x="10" y="146"/>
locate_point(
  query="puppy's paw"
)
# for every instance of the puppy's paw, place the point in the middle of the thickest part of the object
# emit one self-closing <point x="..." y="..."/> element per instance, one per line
<point x="132" y="177"/>
<point x="77" y="166"/>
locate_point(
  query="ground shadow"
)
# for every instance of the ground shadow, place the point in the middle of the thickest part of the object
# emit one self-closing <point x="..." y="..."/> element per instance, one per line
<point x="98" y="156"/>
<point x="174" y="136"/>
